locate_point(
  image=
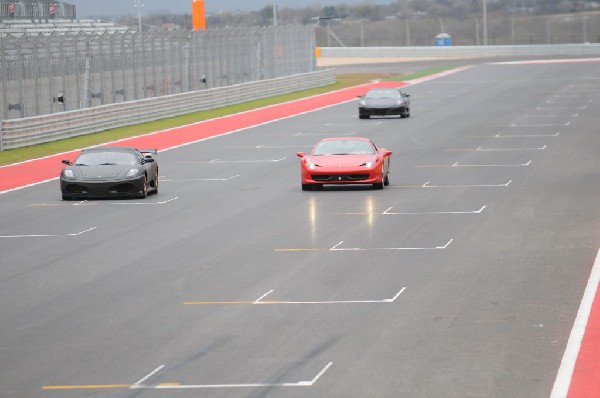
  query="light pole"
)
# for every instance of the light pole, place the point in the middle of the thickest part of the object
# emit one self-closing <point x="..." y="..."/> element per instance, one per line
<point x="138" y="4"/>
<point x="485" y="32"/>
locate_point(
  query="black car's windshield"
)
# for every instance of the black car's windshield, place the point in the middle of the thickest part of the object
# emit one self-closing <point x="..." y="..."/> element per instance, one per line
<point x="383" y="94"/>
<point x="105" y="158"/>
<point x="343" y="147"/>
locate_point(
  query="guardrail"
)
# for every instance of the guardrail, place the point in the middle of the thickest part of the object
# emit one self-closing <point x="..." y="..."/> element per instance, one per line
<point x="585" y="49"/>
<point x="15" y="133"/>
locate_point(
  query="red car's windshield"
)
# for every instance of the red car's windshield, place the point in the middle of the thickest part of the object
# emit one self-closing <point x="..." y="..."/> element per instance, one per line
<point x="343" y="147"/>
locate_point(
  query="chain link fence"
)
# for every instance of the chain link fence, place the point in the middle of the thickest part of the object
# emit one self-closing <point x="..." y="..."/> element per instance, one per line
<point x="53" y="73"/>
<point x="502" y="30"/>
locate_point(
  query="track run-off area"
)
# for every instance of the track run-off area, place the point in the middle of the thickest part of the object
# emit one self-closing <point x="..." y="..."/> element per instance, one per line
<point x="475" y="273"/>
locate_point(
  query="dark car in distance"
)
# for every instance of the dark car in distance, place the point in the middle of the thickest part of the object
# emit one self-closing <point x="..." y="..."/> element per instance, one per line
<point x="384" y="102"/>
<point x="112" y="171"/>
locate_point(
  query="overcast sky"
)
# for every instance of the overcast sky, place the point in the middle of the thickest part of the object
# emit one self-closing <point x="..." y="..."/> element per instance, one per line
<point x="87" y="8"/>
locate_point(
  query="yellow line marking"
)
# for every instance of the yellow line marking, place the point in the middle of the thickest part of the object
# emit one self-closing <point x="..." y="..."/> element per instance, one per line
<point x="87" y="387"/>
<point x="232" y="302"/>
<point x="298" y="250"/>
<point x="364" y="213"/>
<point x="216" y="302"/>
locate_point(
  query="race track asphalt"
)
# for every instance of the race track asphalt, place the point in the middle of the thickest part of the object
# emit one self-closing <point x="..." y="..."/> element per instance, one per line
<point x="461" y="279"/>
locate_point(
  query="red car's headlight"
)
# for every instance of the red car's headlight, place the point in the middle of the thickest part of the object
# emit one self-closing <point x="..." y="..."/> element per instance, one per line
<point x="371" y="162"/>
<point x="309" y="163"/>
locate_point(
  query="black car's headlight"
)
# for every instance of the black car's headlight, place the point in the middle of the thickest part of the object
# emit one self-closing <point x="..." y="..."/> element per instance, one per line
<point x="68" y="173"/>
<point x="133" y="173"/>
<point x="362" y="103"/>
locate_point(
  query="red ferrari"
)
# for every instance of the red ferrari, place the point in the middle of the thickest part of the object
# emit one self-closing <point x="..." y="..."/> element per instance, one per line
<point x="345" y="161"/>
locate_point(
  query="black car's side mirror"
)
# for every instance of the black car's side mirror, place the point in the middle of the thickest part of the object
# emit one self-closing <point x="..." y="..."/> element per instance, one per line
<point x="68" y="163"/>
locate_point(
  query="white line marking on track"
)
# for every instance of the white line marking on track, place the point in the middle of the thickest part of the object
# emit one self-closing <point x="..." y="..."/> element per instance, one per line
<point x="200" y="179"/>
<point x="380" y="301"/>
<point x="567" y="364"/>
<point x="325" y="134"/>
<point x="247" y="161"/>
<point x="280" y="146"/>
<point x="426" y="185"/>
<point x="352" y="124"/>
<point x="334" y="247"/>
<point x="480" y="149"/>
<point x="308" y="383"/>
<point x="539" y="108"/>
<point x="86" y="203"/>
<point x="388" y="212"/>
<point x="540" y="124"/>
<point x="149" y="375"/>
<point x="337" y="248"/>
<point x="457" y="164"/>
<point x="396" y="296"/>
<point x="526" y="135"/>
<point x="275" y="302"/>
<point x="48" y="236"/>
<point x="263" y="296"/>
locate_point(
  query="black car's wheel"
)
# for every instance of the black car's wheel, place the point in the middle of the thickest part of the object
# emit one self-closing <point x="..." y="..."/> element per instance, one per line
<point x="156" y="185"/>
<point x="144" y="187"/>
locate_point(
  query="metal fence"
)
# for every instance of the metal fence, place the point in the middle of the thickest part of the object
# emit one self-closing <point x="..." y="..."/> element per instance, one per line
<point x="47" y="74"/>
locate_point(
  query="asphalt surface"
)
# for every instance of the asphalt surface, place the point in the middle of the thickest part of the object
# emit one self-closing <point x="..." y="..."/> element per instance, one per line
<point x="460" y="279"/>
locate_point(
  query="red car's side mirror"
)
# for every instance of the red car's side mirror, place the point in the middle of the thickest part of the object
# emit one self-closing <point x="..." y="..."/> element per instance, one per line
<point x="300" y="154"/>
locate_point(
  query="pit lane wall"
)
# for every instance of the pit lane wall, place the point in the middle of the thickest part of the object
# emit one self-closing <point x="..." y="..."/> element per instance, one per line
<point x="544" y="50"/>
<point x="15" y="133"/>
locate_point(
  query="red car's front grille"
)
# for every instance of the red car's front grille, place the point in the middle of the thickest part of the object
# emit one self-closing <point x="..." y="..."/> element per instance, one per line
<point x="339" y="177"/>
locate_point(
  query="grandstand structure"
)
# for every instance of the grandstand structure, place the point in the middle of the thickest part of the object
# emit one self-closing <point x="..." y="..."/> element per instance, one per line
<point x="48" y="17"/>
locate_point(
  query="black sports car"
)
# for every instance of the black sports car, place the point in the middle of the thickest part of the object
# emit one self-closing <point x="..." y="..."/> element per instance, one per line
<point x="110" y="172"/>
<point x="382" y="102"/>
